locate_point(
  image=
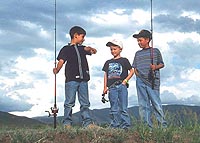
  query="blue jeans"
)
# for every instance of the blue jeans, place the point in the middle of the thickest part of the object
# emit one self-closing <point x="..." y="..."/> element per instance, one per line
<point x="118" y="97"/>
<point x="147" y="97"/>
<point x="70" y="97"/>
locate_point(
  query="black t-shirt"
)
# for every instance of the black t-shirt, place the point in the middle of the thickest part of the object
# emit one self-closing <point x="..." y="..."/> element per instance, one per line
<point x="69" y="55"/>
<point x="116" y="69"/>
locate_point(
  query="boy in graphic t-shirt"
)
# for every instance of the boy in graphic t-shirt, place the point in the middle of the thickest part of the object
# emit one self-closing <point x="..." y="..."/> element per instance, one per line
<point x="117" y="72"/>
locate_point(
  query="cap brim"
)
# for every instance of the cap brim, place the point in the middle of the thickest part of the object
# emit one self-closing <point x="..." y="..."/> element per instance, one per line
<point x="141" y="35"/>
<point x="110" y="44"/>
<point x="136" y="36"/>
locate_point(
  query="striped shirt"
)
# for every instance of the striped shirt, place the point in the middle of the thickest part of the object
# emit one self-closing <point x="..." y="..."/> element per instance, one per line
<point x="141" y="63"/>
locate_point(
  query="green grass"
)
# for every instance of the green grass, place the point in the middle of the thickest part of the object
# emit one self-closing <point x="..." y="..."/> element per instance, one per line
<point x="180" y="130"/>
<point x="138" y="133"/>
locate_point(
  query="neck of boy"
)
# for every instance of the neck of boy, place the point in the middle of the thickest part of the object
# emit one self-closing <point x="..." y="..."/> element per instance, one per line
<point x="73" y="42"/>
<point x="147" y="47"/>
<point x="117" y="57"/>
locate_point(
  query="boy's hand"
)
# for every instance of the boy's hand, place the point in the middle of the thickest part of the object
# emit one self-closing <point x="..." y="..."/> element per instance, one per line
<point x="55" y="71"/>
<point x="59" y="66"/>
<point x="153" y="67"/>
<point x="105" y="90"/>
<point x="91" y="50"/>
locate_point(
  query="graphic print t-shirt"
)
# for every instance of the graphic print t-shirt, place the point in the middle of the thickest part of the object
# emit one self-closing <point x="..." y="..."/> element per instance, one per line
<point x="116" y="69"/>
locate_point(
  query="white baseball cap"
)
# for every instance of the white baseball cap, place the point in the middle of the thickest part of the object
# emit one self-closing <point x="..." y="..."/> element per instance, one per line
<point x="115" y="42"/>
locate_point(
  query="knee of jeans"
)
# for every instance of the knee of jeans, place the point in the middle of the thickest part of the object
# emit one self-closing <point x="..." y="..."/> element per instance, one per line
<point x="85" y="107"/>
<point x="124" y="112"/>
<point x="69" y="105"/>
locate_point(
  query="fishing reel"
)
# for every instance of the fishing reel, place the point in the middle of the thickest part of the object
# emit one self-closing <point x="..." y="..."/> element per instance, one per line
<point x="54" y="111"/>
<point x="104" y="100"/>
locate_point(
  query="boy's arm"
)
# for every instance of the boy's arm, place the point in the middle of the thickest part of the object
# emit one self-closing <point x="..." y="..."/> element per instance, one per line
<point x="157" y="67"/>
<point x="160" y="61"/>
<point x="131" y="72"/>
<point x="59" y="66"/>
<point x="90" y="49"/>
<point x="105" y="89"/>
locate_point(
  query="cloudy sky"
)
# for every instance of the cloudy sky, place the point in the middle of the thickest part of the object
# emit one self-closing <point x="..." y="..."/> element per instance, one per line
<point x="27" y="48"/>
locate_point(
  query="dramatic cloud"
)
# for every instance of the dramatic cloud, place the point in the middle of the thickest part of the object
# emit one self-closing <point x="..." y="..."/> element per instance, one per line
<point x="27" y="48"/>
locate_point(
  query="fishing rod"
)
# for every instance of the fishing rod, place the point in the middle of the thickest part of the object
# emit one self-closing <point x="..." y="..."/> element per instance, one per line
<point x="152" y="72"/>
<point x="54" y="109"/>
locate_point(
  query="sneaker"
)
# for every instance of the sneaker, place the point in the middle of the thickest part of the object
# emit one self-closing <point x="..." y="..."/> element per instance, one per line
<point x="93" y="126"/>
<point x="126" y="128"/>
<point x="68" y="126"/>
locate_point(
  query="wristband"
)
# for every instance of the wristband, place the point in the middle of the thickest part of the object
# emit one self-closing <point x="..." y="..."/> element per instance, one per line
<point x="126" y="80"/>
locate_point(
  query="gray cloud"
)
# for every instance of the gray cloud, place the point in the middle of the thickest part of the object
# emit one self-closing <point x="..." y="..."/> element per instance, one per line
<point x="96" y="71"/>
<point x="8" y="104"/>
<point x="186" y="53"/>
<point x="23" y="20"/>
<point x="174" y="22"/>
<point x="168" y="97"/>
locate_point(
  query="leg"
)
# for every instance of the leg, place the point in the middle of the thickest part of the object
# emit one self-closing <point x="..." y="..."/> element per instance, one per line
<point x="157" y="106"/>
<point x="70" y="97"/>
<point x="114" y="107"/>
<point x="123" y="103"/>
<point x="144" y="102"/>
<point x="83" y="98"/>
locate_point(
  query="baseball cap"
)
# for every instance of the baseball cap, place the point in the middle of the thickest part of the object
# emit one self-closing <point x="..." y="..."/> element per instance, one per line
<point x="143" y="33"/>
<point x="115" y="42"/>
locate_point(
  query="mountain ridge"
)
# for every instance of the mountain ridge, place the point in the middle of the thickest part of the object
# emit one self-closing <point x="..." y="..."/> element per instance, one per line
<point x="10" y="120"/>
<point x="100" y="116"/>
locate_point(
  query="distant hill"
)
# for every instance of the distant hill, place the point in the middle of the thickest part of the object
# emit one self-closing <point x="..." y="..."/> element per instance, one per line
<point x="9" y="120"/>
<point x="101" y="116"/>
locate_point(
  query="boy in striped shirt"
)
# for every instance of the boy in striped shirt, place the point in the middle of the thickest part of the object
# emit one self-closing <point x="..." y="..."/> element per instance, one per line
<point x="147" y="63"/>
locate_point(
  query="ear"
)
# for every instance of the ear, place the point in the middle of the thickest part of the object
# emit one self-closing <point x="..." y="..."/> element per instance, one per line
<point x="75" y="35"/>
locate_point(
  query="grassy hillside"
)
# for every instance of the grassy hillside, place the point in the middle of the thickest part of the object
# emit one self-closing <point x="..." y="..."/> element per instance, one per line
<point x="184" y="127"/>
<point x="137" y="134"/>
<point x="180" y="113"/>
<point x="11" y="121"/>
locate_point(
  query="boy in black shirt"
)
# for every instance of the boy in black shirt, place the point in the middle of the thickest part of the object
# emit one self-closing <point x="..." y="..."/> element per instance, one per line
<point x="76" y="75"/>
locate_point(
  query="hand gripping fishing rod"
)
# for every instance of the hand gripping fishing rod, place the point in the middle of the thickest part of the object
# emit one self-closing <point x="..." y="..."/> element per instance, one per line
<point x="54" y="109"/>
<point x="152" y="72"/>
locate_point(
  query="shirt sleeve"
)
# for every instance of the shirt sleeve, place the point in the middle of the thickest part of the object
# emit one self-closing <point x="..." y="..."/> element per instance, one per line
<point x="63" y="54"/>
<point x="127" y="64"/>
<point x="134" y="62"/>
<point x="105" y="67"/>
<point x="160" y="59"/>
<point x="84" y="51"/>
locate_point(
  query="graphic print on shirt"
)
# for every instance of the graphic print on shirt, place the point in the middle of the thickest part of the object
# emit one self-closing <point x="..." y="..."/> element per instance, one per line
<point x="114" y="70"/>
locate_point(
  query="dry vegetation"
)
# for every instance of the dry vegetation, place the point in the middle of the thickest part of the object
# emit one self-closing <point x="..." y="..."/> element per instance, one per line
<point x="181" y="130"/>
<point x="139" y="134"/>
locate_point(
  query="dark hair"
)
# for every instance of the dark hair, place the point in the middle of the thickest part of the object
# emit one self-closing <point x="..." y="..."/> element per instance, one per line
<point x="76" y="29"/>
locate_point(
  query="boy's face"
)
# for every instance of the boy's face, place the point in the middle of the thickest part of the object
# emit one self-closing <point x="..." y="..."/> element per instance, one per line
<point x="143" y="42"/>
<point x="115" y="50"/>
<point x="79" y="38"/>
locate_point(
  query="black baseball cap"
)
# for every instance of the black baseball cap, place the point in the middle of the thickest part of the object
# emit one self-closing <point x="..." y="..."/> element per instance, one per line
<point x="143" y="33"/>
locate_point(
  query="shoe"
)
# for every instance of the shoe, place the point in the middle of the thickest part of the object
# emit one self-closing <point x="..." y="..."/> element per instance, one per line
<point x="68" y="126"/>
<point x="93" y="126"/>
<point x="126" y="128"/>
